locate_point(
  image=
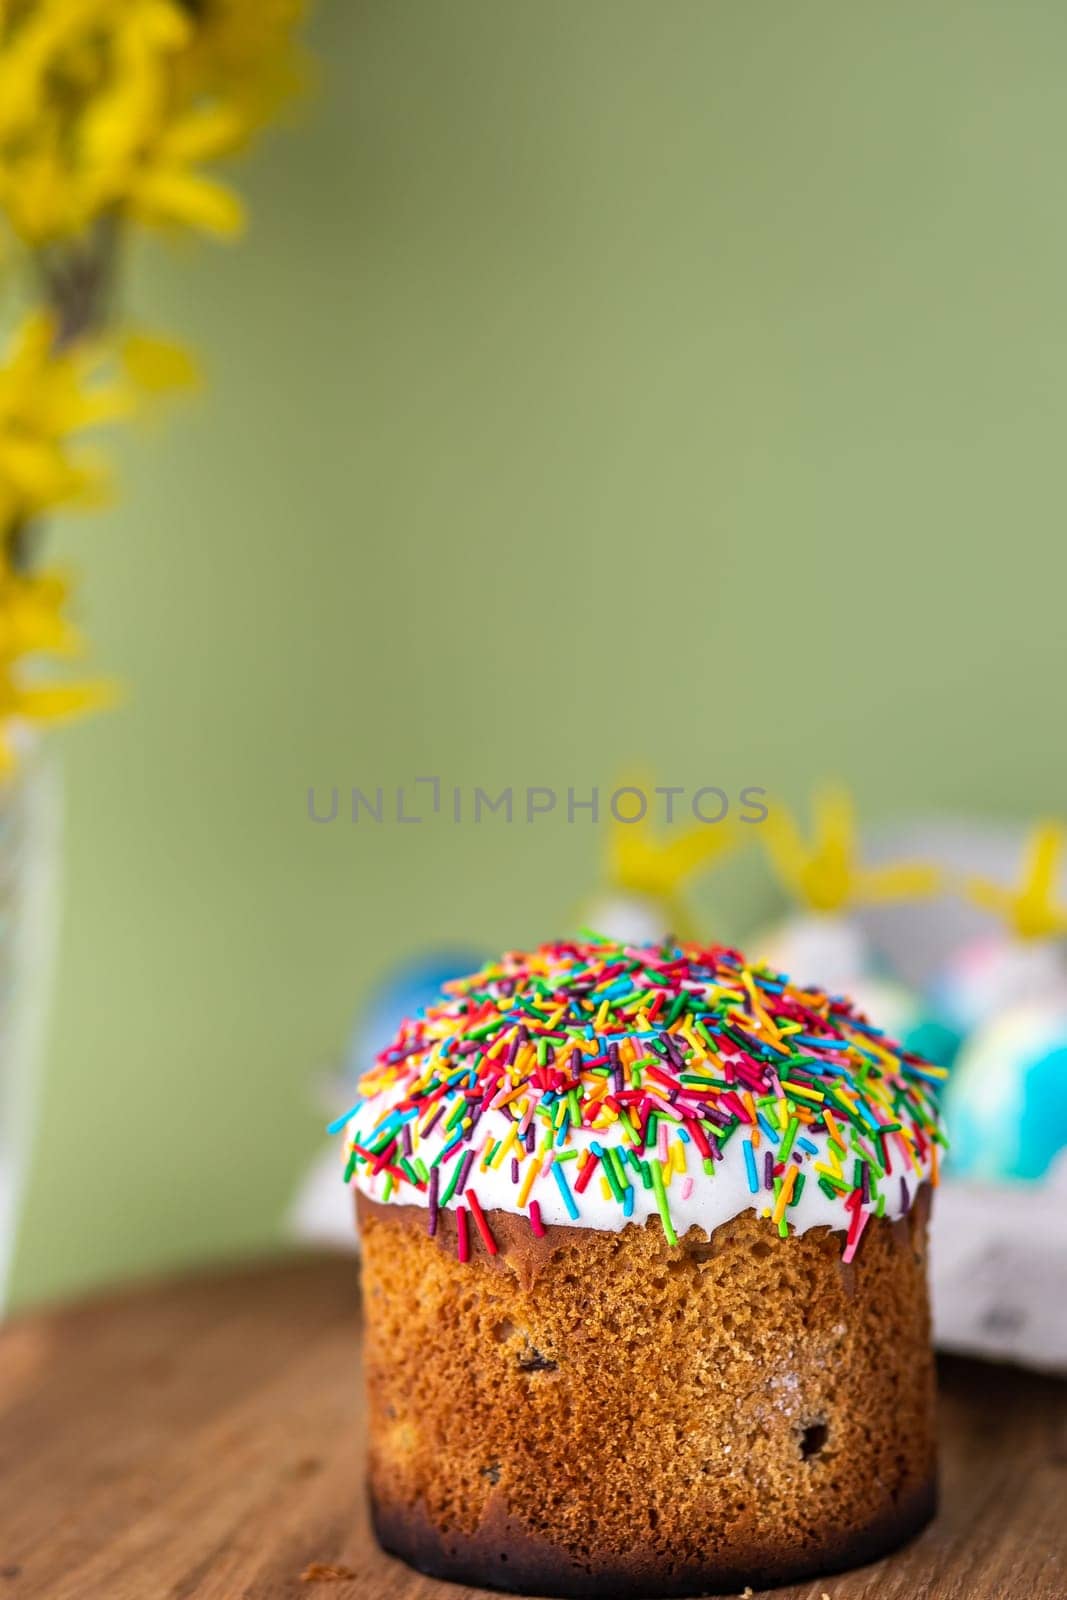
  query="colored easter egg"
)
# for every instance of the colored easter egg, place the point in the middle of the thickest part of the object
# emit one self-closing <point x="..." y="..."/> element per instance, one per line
<point x="988" y="974"/>
<point x="1006" y="1099"/>
<point x="403" y="992"/>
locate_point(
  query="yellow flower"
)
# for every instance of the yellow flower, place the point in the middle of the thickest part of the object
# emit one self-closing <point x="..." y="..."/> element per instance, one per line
<point x="33" y="624"/>
<point x="47" y="395"/>
<point x="114" y="107"/>
<point x="169" y="190"/>
<point x="245" y="52"/>
<point x="55" y="59"/>
<point x="140" y="146"/>
<point x="826" y="875"/>
<point x="156" y="366"/>
<point x="32" y="619"/>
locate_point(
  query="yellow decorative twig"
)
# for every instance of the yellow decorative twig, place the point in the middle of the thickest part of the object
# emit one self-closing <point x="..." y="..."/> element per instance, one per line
<point x="1031" y="910"/>
<point x="659" y="866"/>
<point x="824" y="873"/>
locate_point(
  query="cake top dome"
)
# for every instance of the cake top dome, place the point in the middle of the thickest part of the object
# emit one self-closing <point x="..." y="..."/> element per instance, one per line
<point x="594" y="1083"/>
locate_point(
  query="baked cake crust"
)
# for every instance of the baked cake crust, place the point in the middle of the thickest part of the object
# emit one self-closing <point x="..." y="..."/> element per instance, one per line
<point x="600" y="1413"/>
<point x="535" y="1566"/>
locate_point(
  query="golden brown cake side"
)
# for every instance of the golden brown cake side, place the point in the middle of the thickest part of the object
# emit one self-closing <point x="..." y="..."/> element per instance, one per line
<point x="596" y="1412"/>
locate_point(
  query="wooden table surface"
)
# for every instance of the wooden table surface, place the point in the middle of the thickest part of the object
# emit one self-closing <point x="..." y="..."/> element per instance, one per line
<point x="202" y="1439"/>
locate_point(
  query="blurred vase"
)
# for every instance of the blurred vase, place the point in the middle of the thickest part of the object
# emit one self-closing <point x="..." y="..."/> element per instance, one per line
<point x="30" y="827"/>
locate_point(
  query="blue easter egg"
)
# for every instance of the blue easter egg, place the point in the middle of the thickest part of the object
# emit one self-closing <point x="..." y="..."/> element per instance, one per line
<point x="403" y="992"/>
<point x="1006" y="1100"/>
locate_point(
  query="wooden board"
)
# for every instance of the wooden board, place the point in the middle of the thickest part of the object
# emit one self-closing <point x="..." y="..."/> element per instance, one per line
<point x="202" y="1439"/>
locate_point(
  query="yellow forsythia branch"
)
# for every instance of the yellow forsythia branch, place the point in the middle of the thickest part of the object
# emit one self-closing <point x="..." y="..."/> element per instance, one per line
<point x="112" y="113"/>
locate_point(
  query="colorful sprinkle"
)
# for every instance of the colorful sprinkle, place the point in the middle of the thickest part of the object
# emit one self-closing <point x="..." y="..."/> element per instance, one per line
<point x="637" y="1064"/>
<point x="750" y="1165"/>
<point x="479" y="1221"/>
<point x="568" y="1198"/>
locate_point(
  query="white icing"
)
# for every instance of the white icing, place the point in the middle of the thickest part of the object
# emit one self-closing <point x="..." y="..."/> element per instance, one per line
<point x="712" y="1199"/>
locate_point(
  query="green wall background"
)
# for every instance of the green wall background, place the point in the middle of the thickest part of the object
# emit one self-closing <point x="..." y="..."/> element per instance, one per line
<point x="599" y="383"/>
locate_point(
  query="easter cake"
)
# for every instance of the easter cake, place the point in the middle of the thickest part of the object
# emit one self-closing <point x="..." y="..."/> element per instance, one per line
<point x="644" y="1269"/>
